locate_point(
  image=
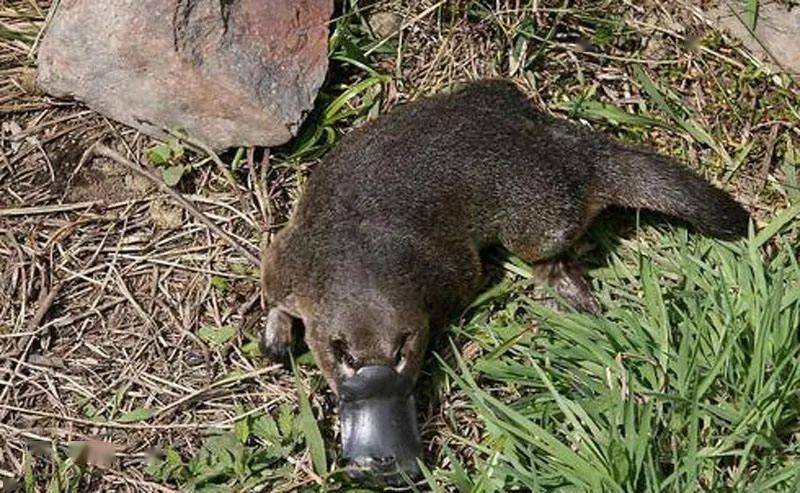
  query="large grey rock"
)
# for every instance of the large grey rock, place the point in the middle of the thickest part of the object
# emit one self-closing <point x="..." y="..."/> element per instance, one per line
<point x="228" y="72"/>
<point x="776" y="38"/>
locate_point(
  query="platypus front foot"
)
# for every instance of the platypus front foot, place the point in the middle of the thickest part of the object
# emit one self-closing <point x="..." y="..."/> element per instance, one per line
<point x="277" y="338"/>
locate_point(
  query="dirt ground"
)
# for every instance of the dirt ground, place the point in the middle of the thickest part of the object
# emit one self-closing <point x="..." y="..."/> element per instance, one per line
<point x="105" y="283"/>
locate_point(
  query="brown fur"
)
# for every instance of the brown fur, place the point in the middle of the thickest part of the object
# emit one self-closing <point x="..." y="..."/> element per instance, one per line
<point x="385" y="242"/>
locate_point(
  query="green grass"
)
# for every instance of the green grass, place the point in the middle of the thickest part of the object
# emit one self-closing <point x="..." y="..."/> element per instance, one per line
<point x="688" y="381"/>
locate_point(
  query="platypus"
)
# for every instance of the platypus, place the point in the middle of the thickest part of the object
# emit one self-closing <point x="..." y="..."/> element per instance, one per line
<point x="386" y="241"/>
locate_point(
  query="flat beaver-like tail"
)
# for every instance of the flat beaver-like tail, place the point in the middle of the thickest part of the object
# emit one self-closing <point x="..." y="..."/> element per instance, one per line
<point x="643" y="179"/>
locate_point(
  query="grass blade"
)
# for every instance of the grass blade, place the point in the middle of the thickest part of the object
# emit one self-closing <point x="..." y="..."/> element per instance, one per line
<point x="687" y="124"/>
<point x="751" y="14"/>
<point x="775" y="226"/>
<point x="309" y="427"/>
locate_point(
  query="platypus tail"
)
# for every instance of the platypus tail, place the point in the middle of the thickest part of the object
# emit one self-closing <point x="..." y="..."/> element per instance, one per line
<point x="643" y="179"/>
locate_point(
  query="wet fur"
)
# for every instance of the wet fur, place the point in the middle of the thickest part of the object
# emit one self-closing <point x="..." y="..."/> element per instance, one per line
<point x="385" y="242"/>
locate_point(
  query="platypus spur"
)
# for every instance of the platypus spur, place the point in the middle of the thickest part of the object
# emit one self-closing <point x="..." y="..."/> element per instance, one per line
<point x="385" y="242"/>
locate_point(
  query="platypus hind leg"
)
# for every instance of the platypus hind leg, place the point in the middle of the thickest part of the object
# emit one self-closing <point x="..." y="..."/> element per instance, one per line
<point x="566" y="277"/>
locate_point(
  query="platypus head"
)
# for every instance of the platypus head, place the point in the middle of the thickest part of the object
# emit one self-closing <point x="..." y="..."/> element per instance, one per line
<point x="370" y="351"/>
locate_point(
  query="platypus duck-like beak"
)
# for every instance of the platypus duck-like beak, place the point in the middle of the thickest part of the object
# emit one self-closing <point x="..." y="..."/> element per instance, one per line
<point x="380" y="439"/>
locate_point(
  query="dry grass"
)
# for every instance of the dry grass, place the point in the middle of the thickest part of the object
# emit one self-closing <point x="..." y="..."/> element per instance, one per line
<point x="105" y="283"/>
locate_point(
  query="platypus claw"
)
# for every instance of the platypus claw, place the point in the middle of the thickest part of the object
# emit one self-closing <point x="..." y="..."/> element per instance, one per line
<point x="277" y="337"/>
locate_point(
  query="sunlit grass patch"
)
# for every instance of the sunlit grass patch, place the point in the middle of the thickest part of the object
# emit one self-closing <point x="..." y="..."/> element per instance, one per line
<point x="688" y="381"/>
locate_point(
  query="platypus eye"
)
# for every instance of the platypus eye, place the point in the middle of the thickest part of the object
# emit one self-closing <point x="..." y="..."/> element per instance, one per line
<point x="342" y="355"/>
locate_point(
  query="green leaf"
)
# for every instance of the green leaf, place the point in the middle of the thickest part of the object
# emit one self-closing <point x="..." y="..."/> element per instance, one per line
<point x="89" y="410"/>
<point x="306" y="360"/>
<point x="241" y="269"/>
<point x="176" y="148"/>
<point x="138" y="414"/>
<point x="265" y="428"/>
<point x="751" y="14"/>
<point x="159" y="154"/>
<point x="334" y="111"/>
<point x="242" y="430"/>
<point x="252" y="349"/>
<point x="791" y="169"/>
<point x="220" y="283"/>
<point x="619" y="460"/>
<point x="597" y="110"/>
<point x="30" y="479"/>
<point x="426" y="473"/>
<point x="169" y="468"/>
<point x="778" y="223"/>
<point x="172" y="457"/>
<point x="172" y="175"/>
<point x="286" y="420"/>
<point x="215" y="335"/>
<point x="310" y="429"/>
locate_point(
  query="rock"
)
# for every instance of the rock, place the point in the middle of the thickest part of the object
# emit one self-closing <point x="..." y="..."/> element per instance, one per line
<point x="227" y="72"/>
<point x="776" y="35"/>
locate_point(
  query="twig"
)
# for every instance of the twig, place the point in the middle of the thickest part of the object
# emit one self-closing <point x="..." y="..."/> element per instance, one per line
<point x="219" y="383"/>
<point x="133" y="426"/>
<point x="766" y="164"/>
<point x="46" y="209"/>
<point x="44" y="307"/>
<point x="24" y="345"/>
<point x="104" y="151"/>
<point x="108" y="424"/>
<point x="226" y="172"/>
<point x="140" y="482"/>
<point x="259" y="183"/>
